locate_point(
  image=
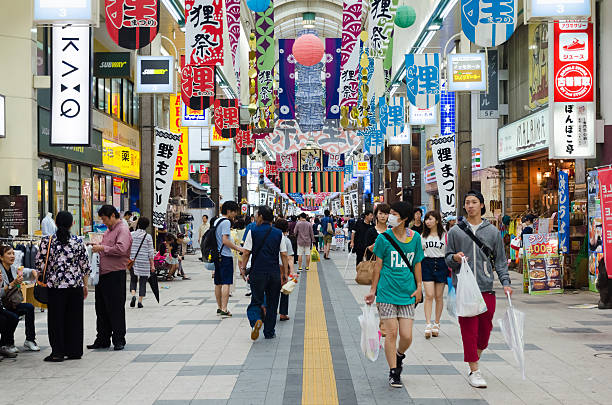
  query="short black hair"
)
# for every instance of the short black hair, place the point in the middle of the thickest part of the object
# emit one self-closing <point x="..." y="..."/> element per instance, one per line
<point x="477" y="194"/>
<point x="229" y="206"/>
<point x="282" y="224"/>
<point x="403" y="208"/>
<point x="266" y="213"/>
<point x="205" y="216"/>
<point x="303" y="215"/>
<point x="417" y="210"/>
<point x="367" y="212"/>
<point x="143" y="223"/>
<point x="108" y="210"/>
<point x="326" y="212"/>
<point x="128" y="213"/>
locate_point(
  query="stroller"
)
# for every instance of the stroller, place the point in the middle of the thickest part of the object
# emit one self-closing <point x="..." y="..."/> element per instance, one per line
<point x="161" y="267"/>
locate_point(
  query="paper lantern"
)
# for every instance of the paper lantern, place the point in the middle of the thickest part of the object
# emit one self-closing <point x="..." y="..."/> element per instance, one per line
<point x="308" y="50"/>
<point x="405" y="16"/>
<point x="258" y="6"/>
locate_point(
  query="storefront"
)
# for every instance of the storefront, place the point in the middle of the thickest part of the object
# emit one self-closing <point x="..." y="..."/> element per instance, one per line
<point x="65" y="176"/>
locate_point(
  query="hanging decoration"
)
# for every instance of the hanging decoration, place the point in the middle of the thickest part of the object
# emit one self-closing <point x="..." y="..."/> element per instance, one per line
<point x="443" y="151"/>
<point x="310" y="111"/>
<point x="333" y="162"/>
<point x="488" y="23"/>
<point x="351" y="28"/>
<point x="204" y="32"/>
<point x="308" y="50"/>
<point x="423" y="79"/>
<point x="391" y="116"/>
<point x="334" y="139"/>
<point x="132" y="24"/>
<point x="271" y="168"/>
<point x="332" y="77"/>
<point x="380" y="26"/>
<point x="197" y="85"/>
<point x="227" y="118"/>
<point x="287" y="162"/>
<point x="286" y="138"/>
<point x="310" y="160"/>
<point x="258" y="6"/>
<point x="166" y="151"/>
<point x="286" y="79"/>
<point x="232" y="10"/>
<point x="245" y="144"/>
<point x="264" y="31"/>
<point x="405" y="16"/>
<point x="373" y="140"/>
<point x="365" y="97"/>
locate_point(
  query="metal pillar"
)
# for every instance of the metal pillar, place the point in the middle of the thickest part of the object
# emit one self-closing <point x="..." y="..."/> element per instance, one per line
<point x="147" y="141"/>
<point x="214" y="178"/>
<point x="463" y="139"/>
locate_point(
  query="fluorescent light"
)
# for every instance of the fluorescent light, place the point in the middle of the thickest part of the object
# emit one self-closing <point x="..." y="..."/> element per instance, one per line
<point x="426" y="41"/>
<point x="172" y="10"/>
<point x="434" y="26"/>
<point x="448" y="9"/>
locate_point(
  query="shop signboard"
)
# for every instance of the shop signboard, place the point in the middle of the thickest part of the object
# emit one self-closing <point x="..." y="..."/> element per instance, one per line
<point x="363" y="167"/>
<point x="355" y="202"/>
<point x="401" y="138"/>
<point x="574" y="78"/>
<point x="263" y="197"/>
<point x="573" y="131"/>
<point x="89" y="155"/>
<point x="489" y="101"/>
<point x="605" y="199"/>
<point x="120" y="159"/>
<point x="467" y="72"/>
<point x="13" y="215"/>
<point x="564" y="213"/>
<point x="193" y="118"/>
<point x="443" y="149"/>
<point x="271" y="198"/>
<point x="181" y="169"/>
<point x="552" y="10"/>
<point x="423" y="116"/>
<point x="346" y="200"/>
<point x="447" y="112"/>
<point x="155" y="74"/>
<point x="70" y="86"/>
<point x="538" y="64"/>
<point x="65" y="12"/>
<point x="216" y="139"/>
<point x="525" y="136"/>
<point x="595" y="244"/>
<point x="166" y="149"/>
<point x="543" y="264"/>
<point x="112" y="64"/>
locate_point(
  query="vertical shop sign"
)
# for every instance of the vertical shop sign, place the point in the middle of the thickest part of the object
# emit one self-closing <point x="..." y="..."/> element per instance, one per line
<point x="543" y="264"/>
<point x="538" y="64"/>
<point x="574" y="131"/>
<point x="443" y="149"/>
<point x="489" y="101"/>
<point x="13" y="215"/>
<point x="286" y="79"/>
<point x="573" y="62"/>
<point x="605" y="198"/>
<point x="380" y="26"/>
<point x="204" y="32"/>
<point x="71" y="86"/>
<point x="271" y="198"/>
<point x="132" y="24"/>
<point x="166" y="151"/>
<point x="447" y="112"/>
<point x="488" y="23"/>
<point x="564" y="213"/>
<point x="595" y="228"/>
<point x="263" y="197"/>
<point x="346" y="200"/>
<point x="423" y="79"/>
<point x="181" y="171"/>
<point x="355" y="202"/>
<point x="351" y="28"/>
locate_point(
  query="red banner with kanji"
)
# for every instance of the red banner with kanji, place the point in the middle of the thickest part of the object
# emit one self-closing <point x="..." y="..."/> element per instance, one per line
<point x="245" y="144"/>
<point x="605" y="197"/>
<point x="204" y="32"/>
<point x="227" y="119"/>
<point x="132" y="24"/>
<point x="197" y="85"/>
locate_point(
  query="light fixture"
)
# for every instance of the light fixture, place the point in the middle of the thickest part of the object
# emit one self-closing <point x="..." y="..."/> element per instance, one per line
<point x="435" y="25"/>
<point x="169" y="4"/>
<point x="448" y="9"/>
<point x="308" y="20"/>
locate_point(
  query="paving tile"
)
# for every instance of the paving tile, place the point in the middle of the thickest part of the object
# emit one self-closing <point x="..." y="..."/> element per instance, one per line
<point x="574" y="330"/>
<point x="503" y="346"/>
<point x="162" y="358"/>
<point x="150" y="329"/>
<point x="194" y="370"/>
<point x="459" y="357"/>
<point x="442" y="322"/>
<point x="539" y="302"/>
<point x="199" y="322"/>
<point x="595" y="323"/>
<point x="448" y="401"/>
<point x="601" y="347"/>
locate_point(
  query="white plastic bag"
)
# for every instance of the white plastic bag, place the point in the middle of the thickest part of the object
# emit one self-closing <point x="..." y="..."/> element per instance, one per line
<point x="469" y="298"/>
<point x="94" y="276"/>
<point x="370" y="333"/>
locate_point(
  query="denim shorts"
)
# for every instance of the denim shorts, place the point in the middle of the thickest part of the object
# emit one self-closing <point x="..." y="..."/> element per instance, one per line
<point x="224" y="271"/>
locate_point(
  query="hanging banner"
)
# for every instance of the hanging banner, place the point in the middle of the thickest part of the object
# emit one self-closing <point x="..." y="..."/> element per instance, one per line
<point x="70" y="86"/>
<point x="309" y="104"/>
<point x="380" y="26"/>
<point x="335" y="139"/>
<point x="543" y="264"/>
<point x="166" y="152"/>
<point x="297" y="197"/>
<point x="245" y="144"/>
<point x="373" y="140"/>
<point x="132" y="24"/>
<point x="266" y="58"/>
<point x="204" y="32"/>
<point x="355" y="202"/>
<point x="227" y="119"/>
<point x="443" y="150"/>
<point x="333" y="162"/>
<point x="447" y="112"/>
<point x="402" y="138"/>
<point x="287" y="162"/>
<point x="351" y="28"/>
<point x="391" y="115"/>
<point x="332" y="60"/>
<point x="564" y="213"/>
<point x="198" y="84"/>
<point x="574" y="131"/>
<point x="487" y="23"/>
<point x="423" y="79"/>
<point x="423" y="116"/>
<point x="346" y="200"/>
<point x="286" y="138"/>
<point x="538" y="64"/>
<point x="181" y="169"/>
<point x="286" y="79"/>
<point x="573" y="62"/>
<point x="310" y="160"/>
<point x="263" y="197"/>
<point x="595" y="228"/>
<point x="365" y="98"/>
<point x="489" y="101"/>
<point x="232" y="13"/>
<point x="271" y="168"/>
<point x="271" y="198"/>
<point x="466" y="72"/>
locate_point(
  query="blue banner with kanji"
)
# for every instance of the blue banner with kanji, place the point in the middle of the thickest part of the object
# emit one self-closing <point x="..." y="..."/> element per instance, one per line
<point x="423" y="79"/>
<point x="488" y="23"/>
<point x="564" y="213"/>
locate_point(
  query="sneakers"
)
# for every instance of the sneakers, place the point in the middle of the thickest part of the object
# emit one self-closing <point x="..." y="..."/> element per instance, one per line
<point x="12" y="349"/>
<point x="31" y="346"/>
<point x="133" y="302"/>
<point x="428" y="331"/>
<point x="576" y="45"/>
<point x="475" y="379"/>
<point x="140" y="305"/>
<point x="435" y="330"/>
<point x="399" y="358"/>
<point x="394" y="378"/>
<point x="6" y="352"/>
<point x="225" y="314"/>
<point x="219" y="311"/>
<point x="256" y="328"/>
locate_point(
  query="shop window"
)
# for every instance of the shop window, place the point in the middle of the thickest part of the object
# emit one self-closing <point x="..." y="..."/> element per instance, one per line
<point x="124" y="102"/>
<point x="86" y="200"/>
<point x="107" y="96"/>
<point x="74" y="197"/>
<point x="42" y="51"/>
<point x="116" y="98"/>
<point x="100" y="94"/>
<point x="59" y="187"/>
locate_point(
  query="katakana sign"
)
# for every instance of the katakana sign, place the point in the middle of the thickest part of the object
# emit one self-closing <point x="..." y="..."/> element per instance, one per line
<point x="488" y="23"/>
<point x="132" y="24"/>
<point x="204" y="32"/>
<point x="166" y="151"/>
<point x="443" y="150"/>
<point x="423" y="79"/>
<point x="466" y="72"/>
<point x="574" y="78"/>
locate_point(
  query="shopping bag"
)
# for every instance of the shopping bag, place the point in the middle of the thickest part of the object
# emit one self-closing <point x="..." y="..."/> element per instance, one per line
<point x="451" y="299"/>
<point x="288" y="287"/>
<point x="94" y="276"/>
<point x="371" y="337"/>
<point x="314" y="255"/>
<point x="511" y="326"/>
<point x="516" y="243"/>
<point x="469" y="298"/>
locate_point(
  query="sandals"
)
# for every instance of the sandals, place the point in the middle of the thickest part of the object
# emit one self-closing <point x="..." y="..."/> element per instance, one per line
<point x="428" y="331"/>
<point x="435" y="330"/>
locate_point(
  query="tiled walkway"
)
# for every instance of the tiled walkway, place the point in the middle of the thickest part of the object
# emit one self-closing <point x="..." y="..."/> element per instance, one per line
<point x="180" y="352"/>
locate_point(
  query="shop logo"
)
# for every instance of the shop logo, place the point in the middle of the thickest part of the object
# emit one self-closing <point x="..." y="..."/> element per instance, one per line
<point x="574" y="47"/>
<point x="113" y="65"/>
<point x="154" y="72"/>
<point x="573" y="81"/>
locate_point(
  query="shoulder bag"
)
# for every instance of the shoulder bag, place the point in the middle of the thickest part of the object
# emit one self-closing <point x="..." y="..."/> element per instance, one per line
<point x="130" y="263"/>
<point x="41" y="291"/>
<point x="365" y="271"/>
<point x="487" y="251"/>
<point x="13" y="297"/>
<point x="403" y="256"/>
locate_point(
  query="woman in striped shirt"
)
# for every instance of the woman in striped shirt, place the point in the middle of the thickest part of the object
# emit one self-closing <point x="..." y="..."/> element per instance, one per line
<point x="142" y="253"/>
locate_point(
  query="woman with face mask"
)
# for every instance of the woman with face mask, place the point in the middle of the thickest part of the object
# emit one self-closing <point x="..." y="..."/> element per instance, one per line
<point x="396" y="285"/>
<point x="434" y="269"/>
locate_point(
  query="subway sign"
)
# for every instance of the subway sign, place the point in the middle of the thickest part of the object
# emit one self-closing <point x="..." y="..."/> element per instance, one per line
<point x="155" y="74"/>
<point x="112" y="64"/>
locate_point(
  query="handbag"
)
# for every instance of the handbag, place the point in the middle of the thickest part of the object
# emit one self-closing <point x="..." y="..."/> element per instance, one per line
<point x="41" y="291"/>
<point x="130" y="263"/>
<point x="12" y="298"/>
<point x="365" y="271"/>
<point x="403" y="256"/>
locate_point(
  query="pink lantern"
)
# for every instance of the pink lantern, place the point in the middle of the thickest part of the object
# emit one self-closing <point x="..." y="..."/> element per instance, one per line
<point x="308" y="50"/>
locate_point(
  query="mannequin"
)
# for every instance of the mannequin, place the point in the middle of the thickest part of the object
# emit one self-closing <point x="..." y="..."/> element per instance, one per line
<point x="47" y="225"/>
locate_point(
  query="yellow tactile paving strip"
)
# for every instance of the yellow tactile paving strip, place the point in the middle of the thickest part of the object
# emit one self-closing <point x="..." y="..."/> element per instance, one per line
<point x="318" y="379"/>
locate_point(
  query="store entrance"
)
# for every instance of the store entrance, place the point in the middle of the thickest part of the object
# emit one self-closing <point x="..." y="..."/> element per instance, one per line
<point x="45" y="196"/>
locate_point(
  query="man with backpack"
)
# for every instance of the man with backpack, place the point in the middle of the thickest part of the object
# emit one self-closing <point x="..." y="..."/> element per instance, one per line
<point x="218" y="247"/>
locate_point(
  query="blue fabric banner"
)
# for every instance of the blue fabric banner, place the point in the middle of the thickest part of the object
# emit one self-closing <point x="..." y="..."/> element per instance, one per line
<point x="286" y="79"/>
<point x="564" y="213"/>
<point x="332" y="60"/>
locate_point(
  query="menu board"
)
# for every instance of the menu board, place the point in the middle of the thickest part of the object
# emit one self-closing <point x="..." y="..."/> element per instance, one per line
<point x="13" y="215"/>
<point x="543" y="263"/>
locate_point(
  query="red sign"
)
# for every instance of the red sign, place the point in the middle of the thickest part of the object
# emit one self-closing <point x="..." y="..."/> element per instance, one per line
<point x="245" y="144"/>
<point x="227" y="119"/>
<point x="132" y="24"/>
<point x="271" y="168"/>
<point x="605" y="196"/>
<point x="574" y="59"/>
<point x="204" y="32"/>
<point x="197" y="85"/>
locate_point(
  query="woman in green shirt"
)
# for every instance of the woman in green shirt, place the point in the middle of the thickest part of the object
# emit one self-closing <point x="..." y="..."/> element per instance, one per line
<point x="397" y="286"/>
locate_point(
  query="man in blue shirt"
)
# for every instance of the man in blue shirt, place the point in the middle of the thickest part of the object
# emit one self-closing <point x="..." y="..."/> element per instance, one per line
<point x="327" y="236"/>
<point x="224" y="269"/>
<point x="264" y="243"/>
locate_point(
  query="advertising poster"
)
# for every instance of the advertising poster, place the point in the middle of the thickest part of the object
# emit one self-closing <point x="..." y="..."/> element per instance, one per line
<point x="13" y="215"/>
<point x="605" y="199"/>
<point x="543" y="263"/>
<point x="467" y="72"/>
<point x="538" y="64"/>
<point x="595" y="228"/>
<point x="86" y="206"/>
<point x="443" y="149"/>
<point x="311" y="160"/>
<point x="181" y="170"/>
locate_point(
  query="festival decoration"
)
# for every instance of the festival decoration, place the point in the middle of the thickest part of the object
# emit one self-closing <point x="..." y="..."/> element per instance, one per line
<point x="204" y="32"/>
<point x="310" y="160"/>
<point x="245" y="144"/>
<point x="265" y="52"/>
<point x="132" y="24"/>
<point x="333" y="162"/>
<point x="334" y="139"/>
<point x="286" y="138"/>
<point x="423" y="79"/>
<point x="286" y="83"/>
<point x="166" y="150"/>
<point x="443" y="150"/>
<point x="197" y="85"/>
<point x="258" y="6"/>
<point x="380" y="26"/>
<point x="405" y="16"/>
<point x="232" y="11"/>
<point x="332" y="77"/>
<point x="227" y="118"/>
<point x="308" y="50"/>
<point x="309" y="107"/>
<point x="365" y="97"/>
<point x="287" y="162"/>
<point x="488" y="23"/>
<point x="351" y="28"/>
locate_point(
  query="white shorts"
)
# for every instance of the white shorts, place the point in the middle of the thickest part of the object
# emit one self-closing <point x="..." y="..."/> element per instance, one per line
<point x="303" y="250"/>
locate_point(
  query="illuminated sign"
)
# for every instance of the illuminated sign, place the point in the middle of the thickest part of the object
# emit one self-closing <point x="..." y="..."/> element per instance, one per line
<point x="467" y="72"/>
<point x="155" y="74"/>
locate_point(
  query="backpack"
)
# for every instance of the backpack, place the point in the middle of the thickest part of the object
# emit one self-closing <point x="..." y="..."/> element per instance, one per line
<point x="210" y="251"/>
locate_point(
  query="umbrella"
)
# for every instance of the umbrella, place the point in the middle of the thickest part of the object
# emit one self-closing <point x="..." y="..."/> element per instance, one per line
<point x="512" y="325"/>
<point x="154" y="285"/>
<point x="347" y="260"/>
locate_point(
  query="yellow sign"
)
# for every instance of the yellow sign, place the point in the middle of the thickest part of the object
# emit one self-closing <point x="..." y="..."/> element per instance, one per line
<point x="363" y="166"/>
<point x="216" y="139"/>
<point x="120" y="159"/>
<point x="181" y="170"/>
